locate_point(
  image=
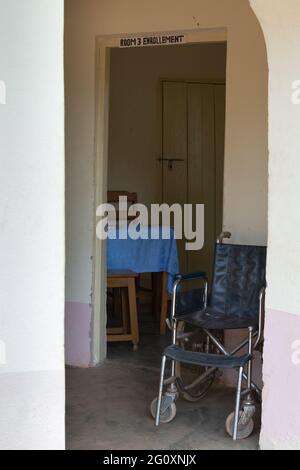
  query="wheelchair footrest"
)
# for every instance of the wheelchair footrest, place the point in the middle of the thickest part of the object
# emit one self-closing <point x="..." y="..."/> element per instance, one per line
<point x="206" y="360"/>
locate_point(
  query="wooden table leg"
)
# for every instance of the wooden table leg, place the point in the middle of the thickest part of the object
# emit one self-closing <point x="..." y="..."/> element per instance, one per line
<point x="116" y="301"/>
<point x="133" y="314"/>
<point x="164" y="304"/>
<point x="156" y="294"/>
<point x="124" y="310"/>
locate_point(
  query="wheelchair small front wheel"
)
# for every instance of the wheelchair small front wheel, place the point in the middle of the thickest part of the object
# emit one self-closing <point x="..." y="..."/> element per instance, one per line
<point x="167" y="416"/>
<point x="245" y="429"/>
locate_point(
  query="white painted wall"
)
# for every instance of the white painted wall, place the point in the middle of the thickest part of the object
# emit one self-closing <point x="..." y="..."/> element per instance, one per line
<point x="32" y="225"/>
<point x="281" y="414"/>
<point x="282" y="32"/>
<point x="245" y="204"/>
<point x="135" y="143"/>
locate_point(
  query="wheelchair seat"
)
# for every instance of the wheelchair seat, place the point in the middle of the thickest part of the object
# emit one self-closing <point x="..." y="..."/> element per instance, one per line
<point x="209" y="319"/>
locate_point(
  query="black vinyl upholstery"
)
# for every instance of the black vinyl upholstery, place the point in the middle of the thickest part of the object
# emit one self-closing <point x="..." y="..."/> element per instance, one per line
<point x="239" y="276"/>
<point x="190" y="300"/>
<point x="211" y="320"/>
<point x="207" y="360"/>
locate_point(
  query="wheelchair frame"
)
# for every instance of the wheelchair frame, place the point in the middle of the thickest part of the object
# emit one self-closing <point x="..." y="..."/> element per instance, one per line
<point x="254" y="339"/>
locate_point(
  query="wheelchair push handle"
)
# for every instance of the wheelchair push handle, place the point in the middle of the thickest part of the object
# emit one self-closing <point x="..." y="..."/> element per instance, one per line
<point x="262" y="297"/>
<point x="223" y="236"/>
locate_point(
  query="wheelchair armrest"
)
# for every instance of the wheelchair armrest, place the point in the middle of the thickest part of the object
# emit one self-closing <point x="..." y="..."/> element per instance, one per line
<point x="191" y="276"/>
<point x="184" y="278"/>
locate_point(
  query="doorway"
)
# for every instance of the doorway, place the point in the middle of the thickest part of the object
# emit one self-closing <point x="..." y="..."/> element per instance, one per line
<point x="129" y="141"/>
<point x="152" y="120"/>
<point x="166" y="145"/>
<point x="245" y="133"/>
<point x="124" y="161"/>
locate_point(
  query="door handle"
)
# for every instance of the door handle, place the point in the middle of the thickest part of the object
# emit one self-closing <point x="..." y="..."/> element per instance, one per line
<point x="171" y="161"/>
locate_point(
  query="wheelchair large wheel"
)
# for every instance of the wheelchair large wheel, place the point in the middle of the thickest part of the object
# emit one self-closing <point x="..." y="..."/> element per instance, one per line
<point x="167" y="416"/>
<point x="192" y="390"/>
<point x="245" y="429"/>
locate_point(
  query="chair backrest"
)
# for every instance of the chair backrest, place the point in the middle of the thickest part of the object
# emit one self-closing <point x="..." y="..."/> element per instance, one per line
<point x="113" y="198"/>
<point x="239" y="275"/>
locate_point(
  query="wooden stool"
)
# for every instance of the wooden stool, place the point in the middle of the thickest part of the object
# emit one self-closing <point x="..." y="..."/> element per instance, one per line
<point x="125" y="279"/>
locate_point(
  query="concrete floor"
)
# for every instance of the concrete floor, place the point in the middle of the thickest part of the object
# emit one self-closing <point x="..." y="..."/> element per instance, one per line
<point x="108" y="407"/>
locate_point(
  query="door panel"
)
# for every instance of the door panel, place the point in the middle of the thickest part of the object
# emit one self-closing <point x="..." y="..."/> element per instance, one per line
<point x="220" y="112"/>
<point x="175" y="147"/>
<point x="202" y="168"/>
<point x="194" y="133"/>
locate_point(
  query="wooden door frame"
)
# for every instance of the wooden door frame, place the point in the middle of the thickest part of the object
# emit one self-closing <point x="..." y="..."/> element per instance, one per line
<point x="103" y="46"/>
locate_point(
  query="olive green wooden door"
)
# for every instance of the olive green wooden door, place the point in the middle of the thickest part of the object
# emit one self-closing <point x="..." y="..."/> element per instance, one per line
<point x="193" y="154"/>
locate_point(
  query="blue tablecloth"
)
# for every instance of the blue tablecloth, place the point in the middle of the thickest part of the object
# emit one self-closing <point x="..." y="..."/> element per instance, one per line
<point x="144" y="256"/>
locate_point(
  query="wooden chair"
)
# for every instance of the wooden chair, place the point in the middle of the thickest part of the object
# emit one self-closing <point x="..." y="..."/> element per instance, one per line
<point x="114" y="196"/>
<point x="128" y="332"/>
<point x="142" y="293"/>
<point x="157" y="293"/>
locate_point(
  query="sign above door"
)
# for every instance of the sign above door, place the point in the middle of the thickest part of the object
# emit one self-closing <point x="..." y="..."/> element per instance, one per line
<point x="157" y="40"/>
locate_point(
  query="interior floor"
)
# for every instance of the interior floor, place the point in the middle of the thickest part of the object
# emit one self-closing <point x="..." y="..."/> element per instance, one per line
<point x="108" y="407"/>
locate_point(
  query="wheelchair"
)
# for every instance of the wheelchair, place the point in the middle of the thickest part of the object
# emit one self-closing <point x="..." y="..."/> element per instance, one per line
<point x="198" y="322"/>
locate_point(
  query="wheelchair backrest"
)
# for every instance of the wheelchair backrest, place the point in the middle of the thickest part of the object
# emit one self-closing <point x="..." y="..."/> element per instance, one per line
<point x="239" y="275"/>
<point x="189" y="300"/>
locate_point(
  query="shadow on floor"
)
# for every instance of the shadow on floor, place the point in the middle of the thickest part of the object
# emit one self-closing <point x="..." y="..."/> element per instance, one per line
<point x="108" y="407"/>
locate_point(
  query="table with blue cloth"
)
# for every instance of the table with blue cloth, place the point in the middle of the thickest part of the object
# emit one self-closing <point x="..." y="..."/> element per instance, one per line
<point x="154" y="252"/>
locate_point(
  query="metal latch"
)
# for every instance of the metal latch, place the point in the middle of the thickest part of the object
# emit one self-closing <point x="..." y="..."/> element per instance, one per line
<point x="171" y="161"/>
